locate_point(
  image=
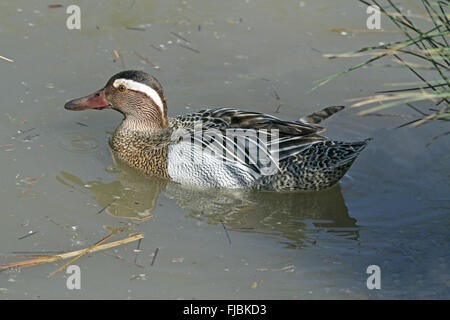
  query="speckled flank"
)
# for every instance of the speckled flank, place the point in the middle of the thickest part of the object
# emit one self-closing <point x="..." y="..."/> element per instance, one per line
<point x="319" y="166"/>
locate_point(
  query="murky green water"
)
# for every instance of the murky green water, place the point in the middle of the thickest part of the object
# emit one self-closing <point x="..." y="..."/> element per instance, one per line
<point x="58" y="181"/>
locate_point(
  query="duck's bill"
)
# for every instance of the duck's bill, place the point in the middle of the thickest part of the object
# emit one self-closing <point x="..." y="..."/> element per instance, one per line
<point x="94" y="101"/>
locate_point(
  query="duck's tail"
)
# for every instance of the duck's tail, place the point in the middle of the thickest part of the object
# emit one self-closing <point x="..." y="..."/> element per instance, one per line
<point x="319" y="116"/>
<point x="353" y="150"/>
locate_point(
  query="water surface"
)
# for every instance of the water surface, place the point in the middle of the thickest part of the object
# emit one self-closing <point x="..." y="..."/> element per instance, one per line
<point x="58" y="179"/>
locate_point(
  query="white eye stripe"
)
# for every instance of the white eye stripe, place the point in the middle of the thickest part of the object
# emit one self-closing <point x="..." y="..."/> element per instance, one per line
<point x="143" y="88"/>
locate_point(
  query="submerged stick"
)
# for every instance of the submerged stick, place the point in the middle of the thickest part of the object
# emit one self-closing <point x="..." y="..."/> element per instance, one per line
<point x="146" y="60"/>
<point x="32" y="185"/>
<point x="436" y="137"/>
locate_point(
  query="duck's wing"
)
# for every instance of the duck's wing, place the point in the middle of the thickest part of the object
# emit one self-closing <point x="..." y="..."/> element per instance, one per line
<point x="293" y="136"/>
<point x="256" y="120"/>
<point x="222" y="118"/>
<point x="233" y="135"/>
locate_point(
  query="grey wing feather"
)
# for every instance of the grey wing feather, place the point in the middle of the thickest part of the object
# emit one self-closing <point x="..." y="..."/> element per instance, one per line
<point x="276" y="139"/>
<point x="319" y="116"/>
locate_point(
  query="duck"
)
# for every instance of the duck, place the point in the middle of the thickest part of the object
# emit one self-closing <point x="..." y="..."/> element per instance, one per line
<point x="223" y="147"/>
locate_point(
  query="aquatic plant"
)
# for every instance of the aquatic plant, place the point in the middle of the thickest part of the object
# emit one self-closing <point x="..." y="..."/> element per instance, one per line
<point x="426" y="40"/>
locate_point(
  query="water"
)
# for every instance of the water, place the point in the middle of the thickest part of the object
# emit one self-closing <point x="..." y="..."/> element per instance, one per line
<point x="58" y="179"/>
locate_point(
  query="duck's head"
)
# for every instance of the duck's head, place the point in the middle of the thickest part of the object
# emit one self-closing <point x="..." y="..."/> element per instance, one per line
<point x="136" y="94"/>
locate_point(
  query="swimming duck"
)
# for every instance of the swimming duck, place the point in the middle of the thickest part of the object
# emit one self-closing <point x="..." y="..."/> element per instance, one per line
<point x="221" y="147"/>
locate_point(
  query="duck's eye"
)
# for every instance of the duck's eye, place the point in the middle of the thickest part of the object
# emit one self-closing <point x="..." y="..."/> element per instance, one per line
<point x="122" y="88"/>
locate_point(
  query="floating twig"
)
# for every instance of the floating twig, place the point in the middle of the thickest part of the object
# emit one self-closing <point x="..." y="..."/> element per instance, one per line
<point x="118" y="56"/>
<point x="37" y="253"/>
<point x="139" y="245"/>
<point x="20" y="132"/>
<point x="179" y="37"/>
<point x="84" y="252"/>
<point x="30" y="233"/>
<point x="155" y="47"/>
<point x="136" y="28"/>
<point x="137" y="250"/>
<point x="363" y="30"/>
<point x="145" y="218"/>
<point x="226" y="232"/>
<point x="30" y="136"/>
<point x="411" y="89"/>
<point x="289" y="267"/>
<point x="104" y="208"/>
<point x="276" y="94"/>
<point x="408" y="123"/>
<point x="114" y="232"/>
<point x="6" y="59"/>
<point x="154" y="257"/>
<point x="234" y="21"/>
<point x="63" y="256"/>
<point x="374" y="114"/>
<point x="189" y="48"/>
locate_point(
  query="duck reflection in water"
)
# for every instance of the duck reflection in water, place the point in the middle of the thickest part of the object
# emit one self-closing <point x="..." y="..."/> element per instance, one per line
<point x="289" y="216"/>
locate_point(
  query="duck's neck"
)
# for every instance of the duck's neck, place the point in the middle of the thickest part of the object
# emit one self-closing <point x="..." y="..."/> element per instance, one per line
<point x="137" y="133"/>
<point x="140" y="124"/>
